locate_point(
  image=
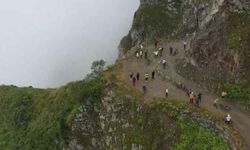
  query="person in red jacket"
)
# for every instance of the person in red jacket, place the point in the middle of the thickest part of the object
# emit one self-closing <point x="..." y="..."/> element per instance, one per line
<point x="134" y="81"/>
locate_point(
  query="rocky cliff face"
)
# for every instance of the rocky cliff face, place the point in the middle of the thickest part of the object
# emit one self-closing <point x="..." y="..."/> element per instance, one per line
<point x="219" y="32"/>
<point x="222" y="45"/>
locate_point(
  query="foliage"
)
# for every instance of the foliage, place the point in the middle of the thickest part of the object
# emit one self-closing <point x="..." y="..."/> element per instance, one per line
<point x="239" y="28"/>
<point x="197" y="138"/>
<point x="238" y="92"/>
<point x="97" y="68"/>
<point x="41" y="118"/>
<point x="158" y="18"/>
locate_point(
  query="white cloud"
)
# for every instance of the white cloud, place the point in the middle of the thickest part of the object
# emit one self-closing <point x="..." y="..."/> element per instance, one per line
<point x="47" y="43"/>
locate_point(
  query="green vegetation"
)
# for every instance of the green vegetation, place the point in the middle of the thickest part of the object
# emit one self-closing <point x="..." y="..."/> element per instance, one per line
<point x="238" y="93"/>
<point x="160" y="19"/>
<point x="197" y="138"/>
<point x="239" y="29"/>
<point x="41" y="119"/>
<point x="191" y="134"/>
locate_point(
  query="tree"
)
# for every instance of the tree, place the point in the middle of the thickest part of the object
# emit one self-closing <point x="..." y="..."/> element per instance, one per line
<point x="97" y="67"/>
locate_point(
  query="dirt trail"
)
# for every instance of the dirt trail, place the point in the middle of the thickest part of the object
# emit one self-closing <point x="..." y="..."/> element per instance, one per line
<point x="166" y="77"/>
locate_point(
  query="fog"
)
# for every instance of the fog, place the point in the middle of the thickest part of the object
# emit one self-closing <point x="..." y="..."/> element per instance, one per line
<point x="48" y="43"/>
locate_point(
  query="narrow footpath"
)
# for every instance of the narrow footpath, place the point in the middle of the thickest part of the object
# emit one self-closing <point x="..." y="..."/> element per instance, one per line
<point x="165" y="78"/>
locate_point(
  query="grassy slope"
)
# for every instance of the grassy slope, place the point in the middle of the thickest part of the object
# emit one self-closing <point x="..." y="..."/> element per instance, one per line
<point x="158" y="125"/>
<point x="40" y="119"/>
<point x="158" y="18"/>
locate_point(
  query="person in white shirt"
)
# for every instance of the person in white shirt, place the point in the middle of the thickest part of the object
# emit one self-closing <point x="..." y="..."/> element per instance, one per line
<point x="141" y="53"/>
<point x="156" y="53"/>
<point x="164" y="62"/>
<point x="141" y="46"/>
<point x="185" y="45"/>
<point x="228" y="119"/>
<point x="166" y="92"/>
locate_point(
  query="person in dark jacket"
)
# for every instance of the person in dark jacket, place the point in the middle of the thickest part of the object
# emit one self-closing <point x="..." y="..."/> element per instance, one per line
<point x="153" y="75"/>
<point x="138" y="76"/>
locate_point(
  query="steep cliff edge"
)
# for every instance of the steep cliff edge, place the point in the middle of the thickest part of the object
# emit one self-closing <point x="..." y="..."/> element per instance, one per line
<point x="218" y="30"/>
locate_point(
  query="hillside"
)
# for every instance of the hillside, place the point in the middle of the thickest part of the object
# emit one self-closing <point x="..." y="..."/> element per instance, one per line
<point x="98" y="113"/>
<point x="217" y="32"/>
<point x="105" y="111"/>
<point x="41" y="118"/>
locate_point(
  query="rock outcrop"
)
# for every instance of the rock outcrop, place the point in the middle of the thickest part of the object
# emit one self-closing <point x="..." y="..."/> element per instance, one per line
<point x="219" y="32"/>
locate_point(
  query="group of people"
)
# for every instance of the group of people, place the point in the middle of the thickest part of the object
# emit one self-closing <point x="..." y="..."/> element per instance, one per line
<point x="194" y="99"/>
<point x="134" y="78"/>
<point x="139" y="53"/>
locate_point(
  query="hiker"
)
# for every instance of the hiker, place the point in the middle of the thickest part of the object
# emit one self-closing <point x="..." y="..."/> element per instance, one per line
<point x="146" y="76"/>
<point x="164" y="62"/>
<point x="131" y="74"/>
<point x="216" y="102"/>
<point x="197" y="102"/>
<point x="171" y="50"/>
<point x="160" y="51"/>
<point x="144" y="88"/>
<point x="141" y="46"/>
<point x="184" y="45"/>
<point x="175" y="52"/>
<point x="228" y="119"/>
<point x="134" y="81"/>
<point x="156" y="41"/>
<point x="138" y="76"/>
<point x="191" y="98"/>
<point x="189" y="92"/>
<point x="146" y="55"/>
<point x="156" y="53"/>
<point x="166" y="92"/>
<point x="199" y="97"/>
<point x="137" y="54"/>
<point x="141" y="54"/>
<point x="153" y="75"/>
<point x="223" y="94"/>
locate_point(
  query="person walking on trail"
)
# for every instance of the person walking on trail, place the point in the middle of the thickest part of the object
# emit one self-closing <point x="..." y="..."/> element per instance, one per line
<point x="141" y="46"/>
<point x="156" y="53"/>
<point x="189" y="92"/>
<point x="153" y="75"/>
<point x="185" y="45"/>
<point x="161" y="51"/>
<point x="175" y="52"/>
<point x="164" y="63"/>
<point x="134" y="81"/>
<point x="197" y="102"/>
<point x="216" y="101"/>
<point x="223" y="94"/>
<point x="191" y="98"/>
<point x="228" y="119"/>
<point x="146" y="76"/>
<point x="144" y="88"/>
<point x="131" y="74"/>
<point x="141" y="54"/>
<point x="166" y="92"/>
<point x="199" y="97"/>
<point x="146" y="55"/>
<point x="171" y="50"/>
<point x="137" y="54"/>
<point x="138" y="76"/>
<point x="156" y="41"/>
